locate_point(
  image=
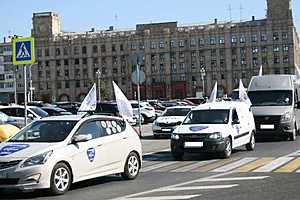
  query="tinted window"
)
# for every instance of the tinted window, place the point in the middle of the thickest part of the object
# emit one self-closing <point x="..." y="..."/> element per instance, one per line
<point x="89" y="128"/>
<point x="45" y="131"/>
<point x="271" y="98"/>
<point x="177" y="112"/>
<point x="235" y="116"/>
<point x="207" y="117"/>
<point x="109" y="127"/>
<point x="9" y="111"/>
<point x="39" y="112"/>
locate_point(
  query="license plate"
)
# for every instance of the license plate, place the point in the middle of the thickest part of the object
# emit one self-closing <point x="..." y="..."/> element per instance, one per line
<point x="193" y="144"/>
<point x="267" y="126"/>
<point x="166" y="129"/>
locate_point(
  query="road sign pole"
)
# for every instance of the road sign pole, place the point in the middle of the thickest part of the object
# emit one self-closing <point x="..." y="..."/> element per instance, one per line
<point x="15" y="82"/>
<point x="25" y="94"/>
<point x="139" y="98"/>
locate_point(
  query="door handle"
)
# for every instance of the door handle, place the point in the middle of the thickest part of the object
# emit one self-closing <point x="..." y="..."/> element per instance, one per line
<point x="124" y="138"/>
<point x="99" y="145"/>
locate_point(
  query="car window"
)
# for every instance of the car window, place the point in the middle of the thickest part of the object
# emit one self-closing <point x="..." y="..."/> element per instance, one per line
<point x="89" y="128"/>
<point x="110" y="127"/>
<point x="39" y="112"/>
<point x="234" y="116"/>
<point x="9" y="111"/>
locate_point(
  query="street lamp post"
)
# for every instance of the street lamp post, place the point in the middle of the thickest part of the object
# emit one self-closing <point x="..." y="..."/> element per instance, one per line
<point x="203" y="74"/>
<point x="98" y="73"/>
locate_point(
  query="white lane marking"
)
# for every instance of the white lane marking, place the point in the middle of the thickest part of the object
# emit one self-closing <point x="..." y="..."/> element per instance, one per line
<point x="293" y="154"/>
<point x="274" y="164"/>
<point x="156" y="152"/>
<point x="156" y="166"/>
<point x="234" y="165"/>
<point x="205" y="187"/>
<point x="193" y="166"/>
<point x="236" y="179"/>
<point x="165" y="197"/>
<point x="171" y="186"/>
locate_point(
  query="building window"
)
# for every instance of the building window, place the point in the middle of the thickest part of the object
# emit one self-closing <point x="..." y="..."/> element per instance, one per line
<point x="182" y="66"/>
<point x="58" y="73"/>
<point x="264" y="60"/>
<point x="161" y="68"/>
<point x="285" y="48"/>
<point x="66" y="51"/>
<point x="243" y="75"/>
<point x="254" y="50"/>
<point x="115" y="60"/>
<point x="57" y="51"/>
<point x="221" y="40"/>
<point x="243" y="61"/>
<point x="233" y="39"/>
<point x="39" y="52"/>
<point x="57" y="62"/>
<point x="67" y="84"/>
<point x="47" y="63"/>
<point x="243" y="51"/>
<point x="95" y="49"/>
<point x="286" y="70"/>
<point x="276" y="48"/>
<point x="95" y="61"/>
<point x="223" y="76"/>
<point x="173" y="67"/>
<point x="212" y="41"/>
<point x="78" y="84"/>
<point x="254" y="38"/>
<point x="66" y="73"/>
<point x="121" y="47"/>
<point x="103" y="48"/>
<point x="133" y="46"/>
<point x="286" y="59"/>
<point x="48" y="75"/>
<point x="264" y="37"/>
<point x="76" y="61"/>
<point x="194" y="66"/>
<point x="254" y="61"/>
<point x="276" y="60"/>
<point x="47" y="52"/>
<point x="264" y="49"/>
<point x="193" y="42"/>
<point x="141" y="46"/>
<point x="84" y="50"/>
<point x="161" y="44"/>
<point x="113" y="48"/>
<point x="58" y="85"/>
<point x="153" y="45"/>
<point x="201" y="41"/>
<point x="181" y="43"/>
<point x="242" y="39"/>
<point x="182" y="77"/>
<point x="173" y="43"/>
<point x="276" y="36"/>
<point x="76" y="50"/>
<point x="284" y="36"/>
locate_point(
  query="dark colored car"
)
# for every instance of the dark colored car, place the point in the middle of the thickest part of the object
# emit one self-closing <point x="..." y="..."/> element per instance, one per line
<point x="56" y="111"/>
<point x="108" y="108"/>
<point x="69" y="106"/>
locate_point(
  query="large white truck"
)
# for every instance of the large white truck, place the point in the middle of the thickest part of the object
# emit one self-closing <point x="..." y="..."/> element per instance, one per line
<point x="275" y="105"/>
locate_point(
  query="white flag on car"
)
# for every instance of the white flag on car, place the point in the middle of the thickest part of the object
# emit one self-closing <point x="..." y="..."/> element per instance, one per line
<point x="260" y="71"/>
<point x="243" y="94"/>
<point x="213" y="95"/>
<point x="297" y="71"/>
<point x="90" y="102"/>
<point x="124" y="106"/>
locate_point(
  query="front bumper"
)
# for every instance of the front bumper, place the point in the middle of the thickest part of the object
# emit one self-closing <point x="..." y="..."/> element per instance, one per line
<point x="165" y="130"/>
<point x="208" y="145"/>
<point x="22" y="178"/>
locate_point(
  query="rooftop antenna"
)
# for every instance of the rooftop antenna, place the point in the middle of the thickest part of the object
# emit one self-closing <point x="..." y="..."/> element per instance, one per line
<point x="241" y="12"/>
<point x="116" y="19"/>
<point x="230" y="11"/>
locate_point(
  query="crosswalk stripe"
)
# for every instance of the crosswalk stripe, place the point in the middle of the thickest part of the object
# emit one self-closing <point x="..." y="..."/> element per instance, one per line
<point x="164" y="197"/>
<point x="254" y="165"/>
<point x="234" y="165"/>
<point x="156" y="166"/>
<point x="290" y="167"/>
<point x="205" y="187"/>
<point x="274" y="164"/>
<point x="215" y="165"/>
<point x="175" y="166"/>
<point x="193" y="166"/>
<point x="234" y="179"/>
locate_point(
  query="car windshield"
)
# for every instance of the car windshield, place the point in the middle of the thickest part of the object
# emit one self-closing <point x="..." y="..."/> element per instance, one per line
<point x="271" y="98"/>
<point x="45" y="131"/>
<point x="39" y="112"/>
<point x="177" y="112"/>
<point x="207" y="117"/>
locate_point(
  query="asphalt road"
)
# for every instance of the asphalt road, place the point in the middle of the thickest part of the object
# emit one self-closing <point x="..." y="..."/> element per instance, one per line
<point x="272" y="172"/>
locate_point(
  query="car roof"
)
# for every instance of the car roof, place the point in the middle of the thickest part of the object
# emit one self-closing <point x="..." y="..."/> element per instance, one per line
<point x="179" y="107"/>
<point x="18" y="106"/>
<point x="77" y="117"/>
<point x="220" y="105"/>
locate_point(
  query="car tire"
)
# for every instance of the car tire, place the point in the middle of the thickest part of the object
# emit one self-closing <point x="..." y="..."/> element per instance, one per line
<point x="178" y="156"/>
<point x="132" y="167"/>
<point x="293" y="135"/>
<point x="61" y="179"/>
<point x="251" y="145"/>
<point x="226" y="153"/>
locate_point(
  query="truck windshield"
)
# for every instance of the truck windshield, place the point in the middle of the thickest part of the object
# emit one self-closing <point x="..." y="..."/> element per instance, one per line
<point x="207" y="117"/>
<point x="271" y="98"/>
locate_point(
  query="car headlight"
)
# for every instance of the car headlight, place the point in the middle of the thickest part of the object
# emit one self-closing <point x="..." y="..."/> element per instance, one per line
<point x="215" y="136"/>
<point x="175" y="136"/>
<point x="37" y="160"/>
<point x="286" y="117"/>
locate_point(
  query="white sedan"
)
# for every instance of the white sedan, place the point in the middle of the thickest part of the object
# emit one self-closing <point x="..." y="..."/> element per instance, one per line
<point x="58" y="151"/>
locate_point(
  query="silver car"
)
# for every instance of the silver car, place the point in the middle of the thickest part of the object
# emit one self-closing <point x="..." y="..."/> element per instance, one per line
<point x="57" y="151"/>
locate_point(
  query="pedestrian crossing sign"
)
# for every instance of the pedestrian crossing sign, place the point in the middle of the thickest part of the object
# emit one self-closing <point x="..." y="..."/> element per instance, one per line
<point x="23" y="51"/>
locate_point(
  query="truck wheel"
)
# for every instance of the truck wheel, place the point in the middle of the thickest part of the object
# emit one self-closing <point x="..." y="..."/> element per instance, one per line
<point x="228" y="149"/>
<point x="251" y="145"/>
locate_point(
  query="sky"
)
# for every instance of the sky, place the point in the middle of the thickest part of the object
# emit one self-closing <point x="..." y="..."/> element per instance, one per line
<point x="82" y="15"/>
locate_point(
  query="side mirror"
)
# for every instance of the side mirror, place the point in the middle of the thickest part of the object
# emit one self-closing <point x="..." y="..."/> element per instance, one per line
<point x="81" y="138"/>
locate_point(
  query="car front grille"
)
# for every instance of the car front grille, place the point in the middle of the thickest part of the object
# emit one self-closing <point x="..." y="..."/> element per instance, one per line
<point x="193" y="137"/>
<point x="167" y="125"/>
<point x="4" y="165"/>
<point x="9" y="181"/>
<point x="267" y="120"/>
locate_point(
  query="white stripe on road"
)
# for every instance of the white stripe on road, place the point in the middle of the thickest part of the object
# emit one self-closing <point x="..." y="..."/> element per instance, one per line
<point x="294" y="154"/>
<point x="274" y="164"/>
<point x="155" y="152"/>
<point x="205" y="187"/>
<point x="164" y="197"/>
<point x="156" y="166"/>
<point x="193" y="166"/>
<point x="234" y="165"/>
<point x="235" y="179"/>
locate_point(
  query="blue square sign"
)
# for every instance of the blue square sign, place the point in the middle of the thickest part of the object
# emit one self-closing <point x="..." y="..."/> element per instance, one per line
<point x="23" y="51"/>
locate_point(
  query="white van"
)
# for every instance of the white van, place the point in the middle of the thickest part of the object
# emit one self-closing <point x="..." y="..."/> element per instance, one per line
<point x="275" y="105"/>
<point x="214" y="127"/>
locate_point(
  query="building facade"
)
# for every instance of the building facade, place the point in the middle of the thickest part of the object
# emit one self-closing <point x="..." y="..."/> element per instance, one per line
<point x="173" y="57"/>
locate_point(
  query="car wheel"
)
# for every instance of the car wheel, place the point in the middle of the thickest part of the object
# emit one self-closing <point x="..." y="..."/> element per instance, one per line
<point x="251" y="145"/>
<point x="60" y="179"/>
<point x="132" y="167"/>
<point x="293" y="135"/>
<point x="228" y="149"/>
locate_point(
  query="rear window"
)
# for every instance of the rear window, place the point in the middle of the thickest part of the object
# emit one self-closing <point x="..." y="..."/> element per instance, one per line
<point x="39" y="112"/>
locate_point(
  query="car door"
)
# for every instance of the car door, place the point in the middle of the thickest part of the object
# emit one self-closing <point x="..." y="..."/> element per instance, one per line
<point x="89" y="156"/>
<point x="245" y="127"/>
<point x="236" y="128"/>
